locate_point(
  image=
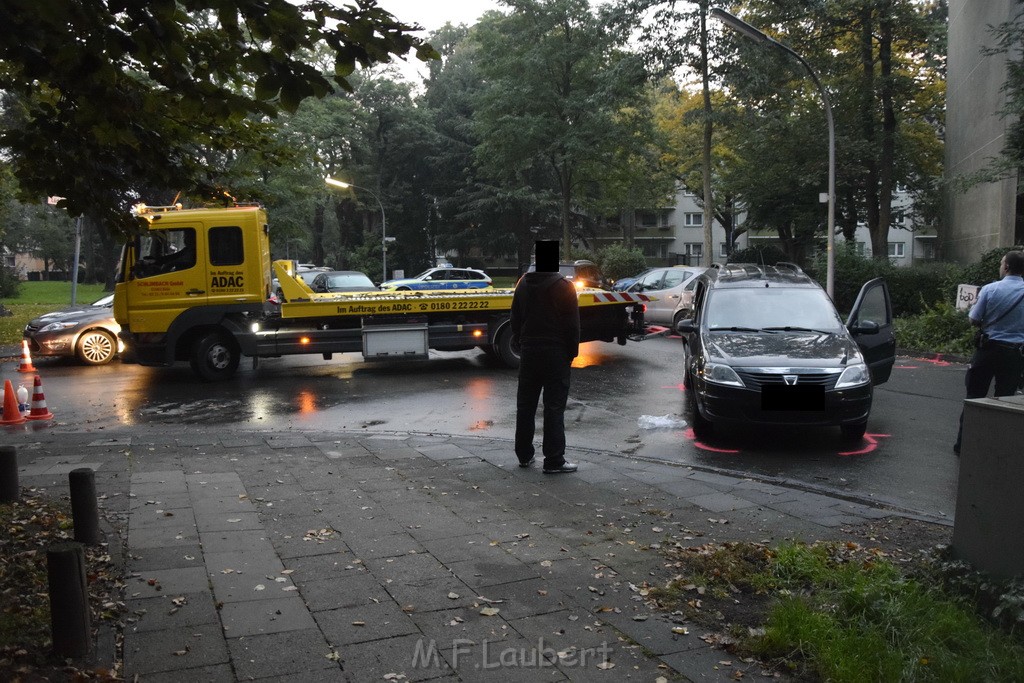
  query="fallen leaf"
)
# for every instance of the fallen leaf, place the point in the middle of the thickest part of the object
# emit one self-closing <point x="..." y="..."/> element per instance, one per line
<point x="489" y="611"/>
<point x="359" y="623"/>
<point x="453" y="596"/>
<point x="259" y="587"/>
<point x="606" y="665"/>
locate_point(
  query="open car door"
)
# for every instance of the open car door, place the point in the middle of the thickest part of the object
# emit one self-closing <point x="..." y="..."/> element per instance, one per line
<point x="870" y="324"/>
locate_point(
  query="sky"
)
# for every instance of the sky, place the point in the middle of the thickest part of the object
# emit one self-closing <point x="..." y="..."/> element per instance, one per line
<point x="432" y="15"/>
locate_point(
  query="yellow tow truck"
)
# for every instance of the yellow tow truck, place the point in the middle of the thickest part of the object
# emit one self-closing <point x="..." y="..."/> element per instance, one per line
<point x="195" y="285"/>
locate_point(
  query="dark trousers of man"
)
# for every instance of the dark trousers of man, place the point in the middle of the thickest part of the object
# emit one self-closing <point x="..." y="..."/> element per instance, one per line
<point x="994" y="360"/>
<point x="542" y="368"/>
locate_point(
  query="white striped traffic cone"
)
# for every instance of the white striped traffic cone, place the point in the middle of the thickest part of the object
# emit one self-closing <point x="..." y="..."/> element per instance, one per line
<point x="39" y="410"/>
<point x="11" y="414"/>
<point x="26" y="358"/>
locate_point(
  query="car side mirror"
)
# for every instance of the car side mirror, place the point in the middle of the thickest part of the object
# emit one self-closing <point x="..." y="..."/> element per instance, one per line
<point x="865" y="327"/>
<point x="686" y="326"/>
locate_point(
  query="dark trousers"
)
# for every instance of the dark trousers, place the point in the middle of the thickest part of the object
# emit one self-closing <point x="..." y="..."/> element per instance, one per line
<point x="542" y="368"/>
<point x="992" y="361"/>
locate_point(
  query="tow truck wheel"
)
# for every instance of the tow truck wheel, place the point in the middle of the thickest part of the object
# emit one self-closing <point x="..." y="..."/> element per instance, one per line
<point x="215" y="357"/>
<point x="96" y="347"/>
<point x="503" y="347"/>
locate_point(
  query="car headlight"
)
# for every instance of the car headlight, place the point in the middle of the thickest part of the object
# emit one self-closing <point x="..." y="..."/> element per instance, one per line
<point x="56" y="327"/>
<point x="854" y="376"/>
<point x="722" y="374"/>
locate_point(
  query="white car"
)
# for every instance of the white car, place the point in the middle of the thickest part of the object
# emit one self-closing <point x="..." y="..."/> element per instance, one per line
<point x="672" y="287"/>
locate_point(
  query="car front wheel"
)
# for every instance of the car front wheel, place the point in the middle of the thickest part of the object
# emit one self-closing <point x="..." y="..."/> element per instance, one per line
<point x="702" y="427"/>
<point x="96" y="347"/>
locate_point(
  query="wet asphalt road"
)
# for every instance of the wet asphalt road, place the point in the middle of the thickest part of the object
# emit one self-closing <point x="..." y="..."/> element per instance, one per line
<point x="904" y="460"/>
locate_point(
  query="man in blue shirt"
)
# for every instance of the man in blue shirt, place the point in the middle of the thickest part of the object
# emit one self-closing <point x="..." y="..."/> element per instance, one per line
<point x="999" y="312"/>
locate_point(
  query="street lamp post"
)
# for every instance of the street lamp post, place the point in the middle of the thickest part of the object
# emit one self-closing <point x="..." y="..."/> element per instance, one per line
<point x="753" y="34"/>
<point x="383" y="219"/>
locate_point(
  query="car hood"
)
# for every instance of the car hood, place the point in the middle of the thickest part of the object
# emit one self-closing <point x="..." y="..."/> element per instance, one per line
<point x="790" y="349"/>
<point x="78" y="313"/>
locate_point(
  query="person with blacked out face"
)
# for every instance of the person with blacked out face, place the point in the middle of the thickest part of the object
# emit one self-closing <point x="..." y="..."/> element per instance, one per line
<point x="545" y="325"/>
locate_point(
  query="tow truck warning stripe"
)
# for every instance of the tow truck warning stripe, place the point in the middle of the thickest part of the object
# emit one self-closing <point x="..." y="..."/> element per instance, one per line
<point x="611" y="297"/>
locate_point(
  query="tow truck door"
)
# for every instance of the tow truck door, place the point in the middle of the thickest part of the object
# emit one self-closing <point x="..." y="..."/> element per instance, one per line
<point x="872" y="309"/>
<point x="166" y="276"/>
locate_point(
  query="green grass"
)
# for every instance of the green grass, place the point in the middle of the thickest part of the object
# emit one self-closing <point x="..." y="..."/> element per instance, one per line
<point x="850" y="620"/>
<point x="36" y="298"/>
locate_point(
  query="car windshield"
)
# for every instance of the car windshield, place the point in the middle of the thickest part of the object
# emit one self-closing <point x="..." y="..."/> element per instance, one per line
<point x="108" y="300"/>
<point x="423" y="274"/>
<point x="349" y="280"/>
<point x="771" y="308"/>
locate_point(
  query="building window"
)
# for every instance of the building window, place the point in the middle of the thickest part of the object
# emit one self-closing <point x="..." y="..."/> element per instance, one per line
<point x="694" y="252"/>
<point x="896" y="249"/>
<point x="723" y="250"/>
<point x="693" y="220"/>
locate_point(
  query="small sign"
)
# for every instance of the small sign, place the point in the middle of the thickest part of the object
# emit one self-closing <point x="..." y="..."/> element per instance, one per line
<point x="398" y="274"/>
<point x="966" y="296"/>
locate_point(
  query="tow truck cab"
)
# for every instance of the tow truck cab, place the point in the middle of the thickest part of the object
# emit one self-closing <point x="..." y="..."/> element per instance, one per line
<point x="188" y="271"/>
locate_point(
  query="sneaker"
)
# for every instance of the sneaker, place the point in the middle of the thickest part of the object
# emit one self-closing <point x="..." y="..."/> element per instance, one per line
<point x="564" y="468"/>
<point x="528" y="462"/>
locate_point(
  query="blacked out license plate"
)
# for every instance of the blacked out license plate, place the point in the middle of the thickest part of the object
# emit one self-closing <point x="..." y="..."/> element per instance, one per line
<point x="796" y="397"/>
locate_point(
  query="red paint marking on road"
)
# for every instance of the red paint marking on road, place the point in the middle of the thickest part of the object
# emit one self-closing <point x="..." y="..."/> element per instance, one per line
<point x="681" y="386"/>
<point x="935" y="361"/>
<point x="870" y="445"/>
<point x="688" y="433"/>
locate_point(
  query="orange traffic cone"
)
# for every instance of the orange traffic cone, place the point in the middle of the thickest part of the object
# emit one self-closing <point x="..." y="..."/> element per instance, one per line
<point x="39" y="410"/>
<point x="26" y="358"/>
<point x="12" y="416"/>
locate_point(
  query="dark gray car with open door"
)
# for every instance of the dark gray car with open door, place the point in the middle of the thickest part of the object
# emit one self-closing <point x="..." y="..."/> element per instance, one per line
<point x="766" y="345"/>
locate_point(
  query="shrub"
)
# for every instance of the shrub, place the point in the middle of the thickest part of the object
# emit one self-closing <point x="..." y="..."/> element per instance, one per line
<point x="986" y="270"/>
<point x="618" y="261"/>
<point x="10" y="286"/>
<point x="940" y="329"/>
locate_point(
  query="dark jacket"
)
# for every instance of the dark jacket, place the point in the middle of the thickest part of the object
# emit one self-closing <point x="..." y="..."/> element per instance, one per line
<point x="545" y="312"/>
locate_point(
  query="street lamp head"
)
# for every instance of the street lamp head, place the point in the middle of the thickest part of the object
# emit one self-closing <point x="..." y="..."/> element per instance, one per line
<point x="337" y="183"/>
<point x="740" y="26"/>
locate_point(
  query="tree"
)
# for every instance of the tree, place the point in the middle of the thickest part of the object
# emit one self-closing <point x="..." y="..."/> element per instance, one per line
<point x="556" y="80"/>
<point x="103" y="94"/>
<point x="874" y="58"/>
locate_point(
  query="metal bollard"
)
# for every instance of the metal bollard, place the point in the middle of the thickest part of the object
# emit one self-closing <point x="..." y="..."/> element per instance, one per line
<point x="83" y="506"/>
<point x="9" y="489"/>
<point x="69" y="599"/>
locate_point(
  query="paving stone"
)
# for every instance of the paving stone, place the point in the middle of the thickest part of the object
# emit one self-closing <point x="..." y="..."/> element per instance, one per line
<point x="721" y="502"/>
<point x="154" y="651"/>
<point x="174" y="557"/>
<point x="409" y="657"/>
<point x="385" y="545"/>
<point x="357" y="588"/>
<point x="448" y="549"/>
<point x="514" y="659"/>
<point x="257" y="617"/>
<point x="172" y="611"/>
<point x="232" y="541"/>
<point x="528" y="598"/>
<point x="238" y="576"/>
<point x="302" y="543"/>
<point x="430" y="595"/>
<point x="447" y="627"/>
<point x="315" y="567"/>
<point x="156" y="583"/>
<point x="218" y="673"/>
<point x="480" y="574"/>
<point x="290" y="653"/>
<point x="407" y="568"/>
<point x="364" y="623"/>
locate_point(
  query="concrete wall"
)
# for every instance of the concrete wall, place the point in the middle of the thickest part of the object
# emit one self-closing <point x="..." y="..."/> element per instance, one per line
<point x="983" y="218"/>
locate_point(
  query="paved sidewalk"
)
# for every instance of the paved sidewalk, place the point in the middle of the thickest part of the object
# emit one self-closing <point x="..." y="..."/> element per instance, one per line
<point x="360" y="557"/>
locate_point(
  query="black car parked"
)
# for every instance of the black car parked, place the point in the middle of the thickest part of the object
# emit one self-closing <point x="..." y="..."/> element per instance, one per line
<point x="766" y="345"/>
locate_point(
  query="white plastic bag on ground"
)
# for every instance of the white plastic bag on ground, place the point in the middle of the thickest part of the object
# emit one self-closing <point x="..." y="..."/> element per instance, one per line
<point x="662" y="422"/>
